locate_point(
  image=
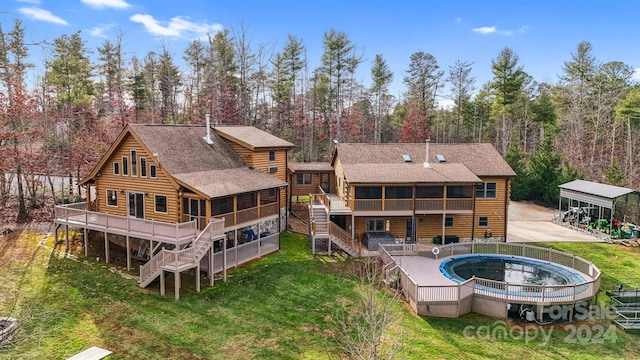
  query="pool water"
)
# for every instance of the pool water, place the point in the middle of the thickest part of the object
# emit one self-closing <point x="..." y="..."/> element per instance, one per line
<point x="510" y="269"/>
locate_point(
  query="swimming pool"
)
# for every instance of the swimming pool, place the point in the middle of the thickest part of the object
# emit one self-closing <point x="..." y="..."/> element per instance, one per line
<point x="511" y="269"/>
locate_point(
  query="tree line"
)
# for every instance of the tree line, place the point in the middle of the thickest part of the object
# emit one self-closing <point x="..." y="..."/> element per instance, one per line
<point x="584" y="125"/>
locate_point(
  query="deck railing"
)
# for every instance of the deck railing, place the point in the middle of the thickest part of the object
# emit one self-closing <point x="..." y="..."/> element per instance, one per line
<point x="76" y="214"/>
<point x="504" y="291"/>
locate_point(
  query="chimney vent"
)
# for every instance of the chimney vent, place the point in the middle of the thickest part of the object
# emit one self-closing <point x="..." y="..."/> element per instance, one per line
<point x="208" y="137"/>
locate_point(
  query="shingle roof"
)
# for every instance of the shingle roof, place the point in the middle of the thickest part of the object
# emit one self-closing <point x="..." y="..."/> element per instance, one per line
<point x="408" y="173"/>
<point x="214" y="169"/>
<point x="480" y="159"/>
<point x="182" y="148"/>
<point x="592" y="188"/>
<point x="309" y="166"/>
<point x="219" y="183"/>
<point x="252" y="136"/>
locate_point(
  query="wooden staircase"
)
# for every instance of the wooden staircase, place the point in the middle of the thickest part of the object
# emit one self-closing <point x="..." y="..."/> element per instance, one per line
<point x="322" y="228"/>
<point x="183" y="259"/>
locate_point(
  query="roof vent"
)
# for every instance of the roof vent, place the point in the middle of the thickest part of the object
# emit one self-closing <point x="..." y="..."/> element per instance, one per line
<point x="441" y="158"/>
<point x="406" y="158"/>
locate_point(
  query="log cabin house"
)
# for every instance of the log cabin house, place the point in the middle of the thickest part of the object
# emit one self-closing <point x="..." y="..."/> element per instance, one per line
<point x="172" y="194"/>
<point x="460" y="193"/>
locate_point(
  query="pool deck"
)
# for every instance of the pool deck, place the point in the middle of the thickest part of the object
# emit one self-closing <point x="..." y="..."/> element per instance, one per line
<point x="423" y="271"/>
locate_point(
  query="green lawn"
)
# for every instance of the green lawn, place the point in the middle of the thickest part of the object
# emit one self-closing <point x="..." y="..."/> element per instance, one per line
<point x="283" y="306"/>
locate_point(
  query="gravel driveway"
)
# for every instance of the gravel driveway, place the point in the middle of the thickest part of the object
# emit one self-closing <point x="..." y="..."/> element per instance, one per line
<point x="533" y="223"/>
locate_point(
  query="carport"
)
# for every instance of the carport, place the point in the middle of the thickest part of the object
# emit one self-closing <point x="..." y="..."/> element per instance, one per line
<point x="605" y="201"/>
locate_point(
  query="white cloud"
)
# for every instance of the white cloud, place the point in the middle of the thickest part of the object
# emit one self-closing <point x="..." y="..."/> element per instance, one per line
<point x="101" y="4"/>
<point x="100" y="30"/>
<point x="458" y="20"/>
<point x="485" y="30"/>
<point x="178" y="26"/>
<point x="636" y="74"/>
<point x="445" y="104"/>
<point x="42" y="14"/>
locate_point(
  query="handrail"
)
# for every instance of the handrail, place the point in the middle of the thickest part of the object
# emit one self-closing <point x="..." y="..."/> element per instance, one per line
<point x="213" y="230"/>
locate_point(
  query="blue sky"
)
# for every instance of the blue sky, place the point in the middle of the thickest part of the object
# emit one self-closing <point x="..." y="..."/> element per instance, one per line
<point x="542" y="33"/>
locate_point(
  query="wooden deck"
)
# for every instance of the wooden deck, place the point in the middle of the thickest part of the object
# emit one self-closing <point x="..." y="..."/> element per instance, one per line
<point x="76" y="215"/>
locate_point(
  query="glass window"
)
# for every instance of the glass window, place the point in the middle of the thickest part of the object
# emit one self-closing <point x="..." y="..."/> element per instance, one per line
<point x="375" y="225"/>
<point x="134" y="163"/>
<point x="152" y="171"/>
<point x="483" y="221"/>
<point x="116" y="168"/>
<point x="459" y="192"/>
<point x="112" y="198"/>
<point x="486" y="191"/>
<point x="272" y="155"/>
<point x="448" y="222"/>
<point x="430" y="192"/>
<point x="247" y="201"/>
<point x="222" y="205"/>
<point x="369" y="192"/>
<point x="398" y="192"/>
<point x="303" y="179"/>
<point x="125" y="166"/>
<point x="143" y="167"/>
<point x="161" y="203"/>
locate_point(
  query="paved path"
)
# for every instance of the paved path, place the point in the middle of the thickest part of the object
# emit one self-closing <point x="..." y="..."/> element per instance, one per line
<point x="533" y="223"/>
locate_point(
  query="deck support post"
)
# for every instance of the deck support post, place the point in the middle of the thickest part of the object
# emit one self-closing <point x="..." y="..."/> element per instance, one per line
<point x="66" y="237"/>
<point x="55" y="235"/>
<point x="198" y="278"/>
<point x="162" y="284"/>
<point x="128" y="255"/>
<point x="329" y="245"/>
<point x="177" y="285"/>
<point x="211" y="273"/>
<point x="224" y="259"/>
<point x="106" y="247"/>
<point x="86" y="242"/>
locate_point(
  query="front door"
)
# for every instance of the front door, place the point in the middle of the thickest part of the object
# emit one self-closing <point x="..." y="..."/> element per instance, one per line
<point x="409" y="231"/>
<point x="136" y="205"/>
<point x="324" y="182"/>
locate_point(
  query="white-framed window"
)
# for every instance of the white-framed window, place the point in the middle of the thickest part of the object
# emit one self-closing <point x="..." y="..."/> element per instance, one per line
<point x="134" y="163"/>
<point x="273" y="169"/>
<point x="483" y="221"/>
<point x="272" y="155"/>
<point x="448" y="222"/>
<point x="303" y="179"/>
<point x="374" y="225"/>
<point x="125" y="166"/>
<point x="116" y="168"/>
<point x="160" y="202"/>
<point x="112" y="198"/>
<point x="486" y="191"/>
<point x="143" y="167"/>
<point x="152" y="171"/>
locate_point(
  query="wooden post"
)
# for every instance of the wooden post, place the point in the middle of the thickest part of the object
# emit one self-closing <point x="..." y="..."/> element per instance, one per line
<point x="177" y="285"/>
<point x="86" y="242"/>
<point x="162" y="284"/>
<point x="106" y="247"/>
<point x="66" y="237"/>
<point x="128" y="255"/>
<point x="224" y="259"/>
<point x="211" y="273"/>
<point x="198" y="277"/>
